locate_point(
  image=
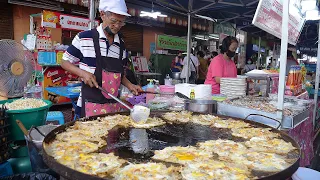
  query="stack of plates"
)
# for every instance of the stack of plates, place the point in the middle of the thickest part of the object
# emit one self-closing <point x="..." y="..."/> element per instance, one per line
<point x="233" y="87"/>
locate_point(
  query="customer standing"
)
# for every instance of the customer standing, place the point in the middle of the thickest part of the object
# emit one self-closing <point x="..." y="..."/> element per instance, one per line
<point x="249" y="66"/>
<point x="194" y="66"/>
<point x="203" y="68"/>
<point x="100" y="53"/>
<point x="222" y="65"/>
<point x="176" y="65"/>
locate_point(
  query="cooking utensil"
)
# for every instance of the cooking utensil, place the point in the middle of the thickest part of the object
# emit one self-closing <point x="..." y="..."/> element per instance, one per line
<point x="201" y="106"/>
<point x="137" y="113"/>
<point x="169" y="135"/>
<point x="148" y="92"/>
<point x="180" y="95"/>
<point x="176" y="75"/>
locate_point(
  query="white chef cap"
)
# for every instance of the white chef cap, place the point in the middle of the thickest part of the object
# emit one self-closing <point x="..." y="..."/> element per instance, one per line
<point x="114" y="6"/>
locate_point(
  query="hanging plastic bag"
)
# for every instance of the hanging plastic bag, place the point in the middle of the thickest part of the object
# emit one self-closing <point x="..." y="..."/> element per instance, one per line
<point x="184" y="72"/>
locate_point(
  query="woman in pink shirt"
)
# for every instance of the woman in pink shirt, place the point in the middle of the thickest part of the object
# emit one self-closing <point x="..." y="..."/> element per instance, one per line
<point x="222" y="65"/>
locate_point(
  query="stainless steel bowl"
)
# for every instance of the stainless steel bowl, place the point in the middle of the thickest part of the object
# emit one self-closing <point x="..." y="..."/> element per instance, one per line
<point x="175" y="75"/>
<point x="201" y="106"/>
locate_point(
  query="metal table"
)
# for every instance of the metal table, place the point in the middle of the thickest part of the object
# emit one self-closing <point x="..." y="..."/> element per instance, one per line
<point x="63" y="91"/>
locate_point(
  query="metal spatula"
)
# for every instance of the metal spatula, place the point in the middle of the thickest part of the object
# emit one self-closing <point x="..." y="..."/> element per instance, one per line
<point x="137" y="113"/>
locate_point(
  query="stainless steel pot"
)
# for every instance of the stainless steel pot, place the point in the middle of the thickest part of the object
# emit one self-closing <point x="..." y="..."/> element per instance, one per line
<point x="175" y="75"/>
<point x="201" y="106"/>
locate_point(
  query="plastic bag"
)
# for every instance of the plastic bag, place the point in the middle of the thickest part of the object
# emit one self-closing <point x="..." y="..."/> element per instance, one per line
<point x="30" y="176"/>
<point x="159" y="103"/>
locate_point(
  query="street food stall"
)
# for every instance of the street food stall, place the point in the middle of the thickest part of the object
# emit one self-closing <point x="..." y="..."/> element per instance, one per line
<point x="184" y="144"/>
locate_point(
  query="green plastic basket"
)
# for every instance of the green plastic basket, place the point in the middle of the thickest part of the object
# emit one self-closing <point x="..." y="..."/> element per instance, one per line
<point x="29" y="117"/>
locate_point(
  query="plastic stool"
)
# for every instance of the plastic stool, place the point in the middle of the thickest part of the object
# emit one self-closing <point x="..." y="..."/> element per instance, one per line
<point x="306" y="174"/>
<point x="5" y="169"/>
<point x="55" y="116"/>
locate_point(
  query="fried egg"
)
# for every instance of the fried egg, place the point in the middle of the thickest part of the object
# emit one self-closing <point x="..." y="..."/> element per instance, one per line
<point x="205" y="120"/>
<point x="214" y="170"/>
<point x="148" y="171"/>
<point x="230" y="123"/>
<point x="181" y="155"/>
<point x="183" y="116"/>
<point x="278" y="146"/>
<point x="248" y="133"/>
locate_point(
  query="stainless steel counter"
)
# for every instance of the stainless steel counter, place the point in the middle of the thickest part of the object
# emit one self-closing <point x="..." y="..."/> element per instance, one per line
<point x="289" y="122"/>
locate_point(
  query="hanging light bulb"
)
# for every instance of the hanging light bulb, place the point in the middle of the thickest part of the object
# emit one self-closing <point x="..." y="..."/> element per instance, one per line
<point x="152" y="14"/>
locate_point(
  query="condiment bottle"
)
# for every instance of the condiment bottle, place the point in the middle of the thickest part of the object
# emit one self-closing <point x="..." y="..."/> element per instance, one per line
<point x="167" y="80"/>
<point x="150" y="88"/>
<point x="157" y="87"/>
<point x="192" y="94"/>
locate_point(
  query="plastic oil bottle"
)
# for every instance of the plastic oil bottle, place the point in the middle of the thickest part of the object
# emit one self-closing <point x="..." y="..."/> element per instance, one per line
<point x="150" y="88"/>
<point x="192" y="94"/>
<point x="157" y="88"/>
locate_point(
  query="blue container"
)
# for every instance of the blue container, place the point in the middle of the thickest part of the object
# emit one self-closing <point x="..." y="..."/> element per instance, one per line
<point x="47" y="58"/>
<point x="5" y="169"/>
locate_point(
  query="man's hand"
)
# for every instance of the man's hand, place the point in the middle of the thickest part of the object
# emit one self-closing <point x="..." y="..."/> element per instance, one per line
<point x="89" y="79"/>
<point x="134" y="89"/>
<point x="85" y="76"/>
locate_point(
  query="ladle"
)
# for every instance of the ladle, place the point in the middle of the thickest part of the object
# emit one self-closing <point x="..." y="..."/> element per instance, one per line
<point x="138" y="113"/>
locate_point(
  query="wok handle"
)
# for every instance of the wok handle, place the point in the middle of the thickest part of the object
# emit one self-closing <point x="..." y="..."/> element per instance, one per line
<point x="23" y="129"/>
<point x="265" y="117"/>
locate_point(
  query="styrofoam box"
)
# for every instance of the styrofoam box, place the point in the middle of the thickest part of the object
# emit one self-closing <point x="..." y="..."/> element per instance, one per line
<point x="202" y="91"/>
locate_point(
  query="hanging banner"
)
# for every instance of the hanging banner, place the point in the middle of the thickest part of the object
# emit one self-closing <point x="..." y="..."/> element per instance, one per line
<point x="171" y="42"/>
<point x="268" y="17"/>
<point x="50" y="19"/>
<point x="57" y="20"/>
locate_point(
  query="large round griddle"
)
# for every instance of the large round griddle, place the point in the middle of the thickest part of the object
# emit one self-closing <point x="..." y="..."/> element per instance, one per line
<point x="137" y="145"/>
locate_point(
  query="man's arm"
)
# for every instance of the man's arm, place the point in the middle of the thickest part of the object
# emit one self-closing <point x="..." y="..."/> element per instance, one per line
<point x="73" y="55"/>
<point x="86" y="77"/>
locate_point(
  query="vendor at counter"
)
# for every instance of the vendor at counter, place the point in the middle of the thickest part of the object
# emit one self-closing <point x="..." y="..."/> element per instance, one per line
<point x="176" y="65"/>
<point x="101" y="55"/>
<point x="222" y="65"/>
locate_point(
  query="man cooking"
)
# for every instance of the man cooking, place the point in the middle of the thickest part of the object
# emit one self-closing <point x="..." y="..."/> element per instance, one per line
<point x="100" y="53"/>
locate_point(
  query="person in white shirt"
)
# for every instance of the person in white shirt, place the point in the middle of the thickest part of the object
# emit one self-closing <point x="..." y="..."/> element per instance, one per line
<point x="194" y="66"/>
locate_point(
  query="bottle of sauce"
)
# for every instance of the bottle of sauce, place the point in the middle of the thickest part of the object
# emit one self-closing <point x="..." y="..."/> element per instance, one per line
<point x="192" y="94"/>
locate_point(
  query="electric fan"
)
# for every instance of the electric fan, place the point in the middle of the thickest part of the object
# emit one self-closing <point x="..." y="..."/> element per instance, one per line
<point x="16" y="68"/>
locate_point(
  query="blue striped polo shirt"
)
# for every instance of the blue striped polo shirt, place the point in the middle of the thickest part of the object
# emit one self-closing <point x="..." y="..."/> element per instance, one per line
<point x="82" y="52"/>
